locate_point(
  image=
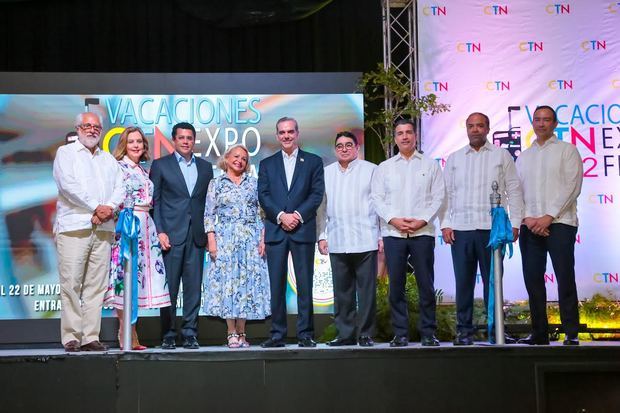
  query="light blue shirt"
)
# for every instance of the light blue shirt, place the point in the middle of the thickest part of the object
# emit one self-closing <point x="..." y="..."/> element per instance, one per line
<point x="189" y="171"/>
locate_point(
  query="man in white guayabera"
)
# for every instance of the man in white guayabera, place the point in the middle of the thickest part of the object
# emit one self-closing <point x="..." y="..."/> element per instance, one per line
<point x="90" y="188"/>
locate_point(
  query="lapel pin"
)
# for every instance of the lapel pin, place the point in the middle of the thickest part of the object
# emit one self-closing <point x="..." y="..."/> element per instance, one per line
<point x="301" y="159"/>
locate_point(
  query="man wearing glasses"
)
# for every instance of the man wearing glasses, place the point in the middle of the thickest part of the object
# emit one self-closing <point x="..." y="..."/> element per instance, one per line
<point x="90" y="188"/>
<point x="349" y="232"/>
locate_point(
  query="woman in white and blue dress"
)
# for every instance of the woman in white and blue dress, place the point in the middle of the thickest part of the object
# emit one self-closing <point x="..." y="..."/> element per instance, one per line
<point x="132" y="148"/>
<point x="237" y="281"/>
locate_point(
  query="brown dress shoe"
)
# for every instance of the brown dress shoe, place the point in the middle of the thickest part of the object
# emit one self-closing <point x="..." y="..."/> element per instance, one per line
<point x="72" y="346"/>
<point x="94" y="346"/>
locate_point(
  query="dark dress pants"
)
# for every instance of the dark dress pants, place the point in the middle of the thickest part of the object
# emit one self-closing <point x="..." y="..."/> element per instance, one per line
<point x="560" y="244"/>
<point x="303" y="263"/>
<point x="397" y="251"/>
<point x="355" y="284"/>
<point x="183" y="262"/>
<point x="469" y="251"/>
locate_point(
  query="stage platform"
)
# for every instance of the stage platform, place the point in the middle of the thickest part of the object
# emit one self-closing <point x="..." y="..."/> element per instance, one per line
<point x="480" y="378"/>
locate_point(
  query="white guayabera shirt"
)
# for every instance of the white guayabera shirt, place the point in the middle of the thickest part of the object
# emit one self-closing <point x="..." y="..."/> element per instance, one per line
<point x="346" y="217"/>
<point x="85" y="180"/>
<point x="469" y="175"/>
<point x="551" y="176"/>
<point x="410" y="188"/>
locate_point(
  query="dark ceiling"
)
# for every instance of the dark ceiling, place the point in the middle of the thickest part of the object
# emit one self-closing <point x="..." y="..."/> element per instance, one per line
<point x="190" y="35"/>
<point x="238" y="13"/>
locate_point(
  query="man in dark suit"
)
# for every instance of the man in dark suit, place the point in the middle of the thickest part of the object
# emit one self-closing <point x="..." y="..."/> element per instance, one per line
<point x="180" y="187"/>
<point x="290" y="190"/>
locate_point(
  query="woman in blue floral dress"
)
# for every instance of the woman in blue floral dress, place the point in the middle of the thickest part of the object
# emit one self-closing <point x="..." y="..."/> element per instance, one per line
<point x="237" y="281"/>
<point x="152" y="288"/>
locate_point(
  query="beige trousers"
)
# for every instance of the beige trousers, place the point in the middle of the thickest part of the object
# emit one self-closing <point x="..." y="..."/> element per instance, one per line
<point x="83" y="265"/>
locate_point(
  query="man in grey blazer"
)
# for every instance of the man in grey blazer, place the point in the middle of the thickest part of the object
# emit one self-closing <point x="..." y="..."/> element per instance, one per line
<point x="180" y="183"/>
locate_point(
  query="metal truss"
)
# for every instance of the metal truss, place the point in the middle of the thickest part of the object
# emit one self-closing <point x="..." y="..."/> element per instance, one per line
<point x="400" y="43"/>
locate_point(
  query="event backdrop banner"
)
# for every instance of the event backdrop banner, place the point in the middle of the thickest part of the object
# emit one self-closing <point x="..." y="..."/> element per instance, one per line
<point x="32" y="127"/>
<point x="504" y="59"/>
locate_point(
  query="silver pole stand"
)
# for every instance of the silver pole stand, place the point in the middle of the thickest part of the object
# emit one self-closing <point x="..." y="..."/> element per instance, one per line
<point x="496" y="199"/>
<point x="127" y="293"/>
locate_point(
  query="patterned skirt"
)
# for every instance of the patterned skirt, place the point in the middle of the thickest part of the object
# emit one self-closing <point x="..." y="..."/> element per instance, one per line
<point x="236" y="284"/>
<point x="152" y="284"/>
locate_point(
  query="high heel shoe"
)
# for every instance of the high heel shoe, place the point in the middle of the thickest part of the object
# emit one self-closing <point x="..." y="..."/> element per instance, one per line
<point x="136" y="347"/>
<point x="242" y="341"/>
<point x="135" y="344"/>
<point x="232" y="340"/>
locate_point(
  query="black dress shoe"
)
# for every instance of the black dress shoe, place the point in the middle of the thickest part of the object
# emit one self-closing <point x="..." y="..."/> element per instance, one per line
<point x="463" y="340"/>
<point x="270" y="343"/>
<point x="168" y="344"/>
<point x="507" y="339"/>
<point x="399" y="341"/>
<point x="365" y="341"/>
<point x="306" y="342"/>
<point x="191" y="343"/>
<point x="571" y="341"/>
<point x="337" y="342"/>
<point x="533" y="341"/>
<point x="429" y="341"/>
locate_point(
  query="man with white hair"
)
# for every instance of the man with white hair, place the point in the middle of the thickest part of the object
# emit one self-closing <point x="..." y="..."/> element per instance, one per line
<point x="90" y="188"/>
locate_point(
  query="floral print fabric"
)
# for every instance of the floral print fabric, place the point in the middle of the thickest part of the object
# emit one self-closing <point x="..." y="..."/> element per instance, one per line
<point x="152" y="285"/>
<point x="237" y="282"/>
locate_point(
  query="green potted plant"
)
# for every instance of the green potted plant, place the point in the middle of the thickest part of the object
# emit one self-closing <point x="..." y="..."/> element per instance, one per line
<point x="389" y="85"/>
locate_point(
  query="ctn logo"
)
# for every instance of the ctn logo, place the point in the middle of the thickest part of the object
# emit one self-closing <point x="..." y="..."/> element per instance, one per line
<point x="433" y="86"/>
<point x="497" y="85"/>
<point x="606" y="278"/>
<point x="531" y="46"/>
<point x="561" y="8"/>
<point x="560" y="84"/>
<point x="615" y="83"/>
<point x="495" y="9"/>
<point x="614" y="7"/>
<point x="469" y="47"/>
<point x="602" y="199"/>
<point x="434" y="10"/>
<point x="588" y="45"/>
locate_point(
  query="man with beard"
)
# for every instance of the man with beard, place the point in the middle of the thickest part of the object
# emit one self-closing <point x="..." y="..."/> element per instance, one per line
<point x="466" y="223"/>
<point x="90" y="188"/>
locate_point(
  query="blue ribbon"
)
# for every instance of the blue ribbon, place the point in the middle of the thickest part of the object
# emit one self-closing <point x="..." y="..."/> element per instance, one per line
<point x="128" y="226"/>
<point x="501" y="234"/>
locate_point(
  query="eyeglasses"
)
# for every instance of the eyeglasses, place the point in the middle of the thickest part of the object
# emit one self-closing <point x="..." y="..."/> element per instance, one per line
<point x="86" y="126"/>
<point x="342" y="146"/>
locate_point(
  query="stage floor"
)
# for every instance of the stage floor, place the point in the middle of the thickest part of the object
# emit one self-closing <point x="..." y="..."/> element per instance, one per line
<point x="239" y="352"/>
<point x="479" y="378"/>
